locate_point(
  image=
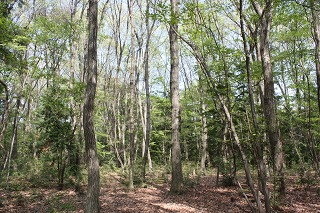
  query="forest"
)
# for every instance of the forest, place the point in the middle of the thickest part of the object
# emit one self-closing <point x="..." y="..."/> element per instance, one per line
<point x="159" y="106"/>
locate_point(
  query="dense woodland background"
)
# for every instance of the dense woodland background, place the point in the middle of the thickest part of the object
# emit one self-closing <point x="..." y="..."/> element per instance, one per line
<point x="188" y="88"/>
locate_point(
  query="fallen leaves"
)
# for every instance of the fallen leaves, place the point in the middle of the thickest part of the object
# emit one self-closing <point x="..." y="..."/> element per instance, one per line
<point x="204" y="197"/>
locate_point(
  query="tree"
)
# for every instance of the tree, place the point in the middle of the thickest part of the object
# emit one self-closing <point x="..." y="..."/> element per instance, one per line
<point x="257" y="146"/>
<point x="316" y="36"/>
<point x="13" y="43"/>
<point x="93" y="189"/>
<point x="315" y="10"/>
<point x="270" y="110"/>
<point x="204" y="132"/>
<point x="146" y="154"/>
<point x="177" y="178"/>
<point x="132" y="87"/>
<point x="203" y="58"/>
<point x="55" y="128"/>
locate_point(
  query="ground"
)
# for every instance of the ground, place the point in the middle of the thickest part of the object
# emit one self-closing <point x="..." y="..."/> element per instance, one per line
<point x="201" y="195"/>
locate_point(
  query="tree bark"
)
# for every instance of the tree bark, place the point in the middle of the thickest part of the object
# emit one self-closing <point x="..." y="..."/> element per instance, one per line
<point x="257" y="149"/>
<point x="204" y="151"/>
<point x="131" y="119"/>
<point x="272" y="127"/>
<point x="16" y="119"/>
<point x="13" y="153"/>
<point x="315" y="10"/>
<point x="4" y="118"/>
<point x="316" y="31"/>
<point x="75" y="154"/>
<point x="93" y="190"/>
<point x="148" y="103"/>
<point x="177" y="178"/>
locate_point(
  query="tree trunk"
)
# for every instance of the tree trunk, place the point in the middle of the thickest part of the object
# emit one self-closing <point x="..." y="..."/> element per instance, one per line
<point x="93" y="190"/>
<point x="272" y="127"/>
<point x="204" y="152"/>
<point x="315" y="10"/>
<point x="257" y="149"/>
<point x="148" y="103"/>
<point x="204" y="138"/>
<point x="75" y="154"/>
<point x="316" y="31"/>
<point x="4" y="118"/>
<point x="131" y="119"/>
<point x="13" y="153"/>
<point x="177" y="178"/>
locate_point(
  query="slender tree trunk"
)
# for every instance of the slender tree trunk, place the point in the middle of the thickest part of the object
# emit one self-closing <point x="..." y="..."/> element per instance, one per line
<point x="93" y="190"/>
<point x="310" y="138"/>
<point x="204" y="152"/>
<point x="124" y="127"/>
<point x="131" y="119"/>
<point x="258" y="149"/>
<point x="75" y="154"/>
<point x="13" y="148"/>
<point x="14" y="154"/>
<point x="316" y="31"/>
<point x="148" y="103"/>
<point x="4" y="118"/>
<point x="142" y="117"/>
<point x="204" y="138"/>
<point x="272" y="127"/>
<point x="177" y="178"/>
<point x="315" y="10"/>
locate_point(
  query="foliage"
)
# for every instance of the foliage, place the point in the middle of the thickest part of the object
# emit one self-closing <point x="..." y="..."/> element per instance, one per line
<point x="56" y="131"/>
<point x="160" y="134"/>
<point x="12" y="38"/>
<point x="40" y="45"/>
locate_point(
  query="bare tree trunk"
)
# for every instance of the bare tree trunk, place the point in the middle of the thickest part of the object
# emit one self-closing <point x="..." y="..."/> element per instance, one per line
<point x="148" y="103"/>
<point x="93" y="190"/>
<point x="124" y="126"/>
<point x="258" y="150"/>
<point x="272" y="127"/>
<point x="316" y="31"/>
<point x="204" y="152"/>
<point x="310" y="138"/>
<point x="72" y="58"/>
<point x="316" y="36"/>
<point x="13" y="148"/>
<point x="75" y="154"/>
<point x="177" y="178"/>
<point x="4" y="118"/>
<point x="118" y="127"/>
<point x="142" y="110"/>
<point x="131" y="119"/>
<point x="14" y="154"/>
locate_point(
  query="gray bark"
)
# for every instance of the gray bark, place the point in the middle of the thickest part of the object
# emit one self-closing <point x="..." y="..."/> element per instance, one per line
<point x="258" y="149"/>
<point x="272" y="127"/>
<point x="204" y="151"/>
<point x="316" y="36"/>
<point x="148" y="103"/>
<point x="132" y="86"/>
<point x="177" y="178"/>
<point x="93" y="189"/>
<point x="315" y="10"/>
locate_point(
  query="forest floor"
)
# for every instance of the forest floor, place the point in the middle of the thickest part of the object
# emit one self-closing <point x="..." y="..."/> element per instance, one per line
<point x="200" y="195"/>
